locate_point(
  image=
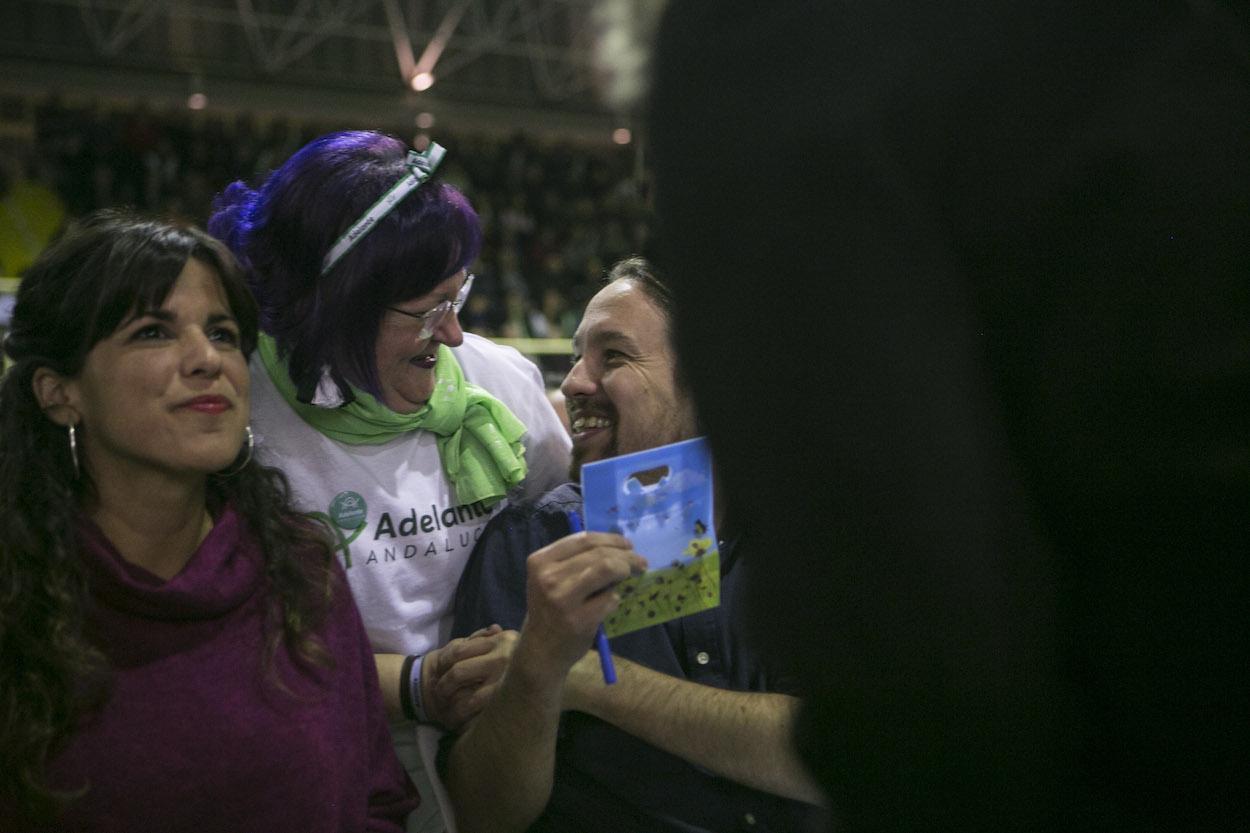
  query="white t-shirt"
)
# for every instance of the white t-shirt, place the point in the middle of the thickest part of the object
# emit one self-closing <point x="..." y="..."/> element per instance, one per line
<point x="404" y="539"/>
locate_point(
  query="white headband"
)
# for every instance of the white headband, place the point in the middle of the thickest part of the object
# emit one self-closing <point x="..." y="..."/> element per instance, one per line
<point x="420" y="167"/>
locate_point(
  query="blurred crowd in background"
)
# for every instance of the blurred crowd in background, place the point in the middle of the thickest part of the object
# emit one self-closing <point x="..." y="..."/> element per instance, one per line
<point x="555" y="216"/>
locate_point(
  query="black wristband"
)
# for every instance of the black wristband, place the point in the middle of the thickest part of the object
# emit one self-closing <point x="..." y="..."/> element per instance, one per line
<point x="405" y="688"/>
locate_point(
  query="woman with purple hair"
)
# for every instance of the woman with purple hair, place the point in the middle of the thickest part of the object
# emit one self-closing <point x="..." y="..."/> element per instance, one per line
<point x="400" y="431"/>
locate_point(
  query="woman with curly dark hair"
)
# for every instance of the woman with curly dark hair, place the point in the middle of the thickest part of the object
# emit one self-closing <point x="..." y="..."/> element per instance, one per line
<point x="179" y="650"/>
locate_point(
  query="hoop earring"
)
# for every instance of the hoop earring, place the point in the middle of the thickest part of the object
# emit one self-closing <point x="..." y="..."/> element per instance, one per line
<point x="73" y="449"/>
<point x="247" y="458"/>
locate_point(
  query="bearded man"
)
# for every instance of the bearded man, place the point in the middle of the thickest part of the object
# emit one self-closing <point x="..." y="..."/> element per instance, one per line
<point x="694" y="735"/>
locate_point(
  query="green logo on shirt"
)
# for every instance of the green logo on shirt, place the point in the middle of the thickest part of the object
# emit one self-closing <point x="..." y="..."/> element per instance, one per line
<point x="347" y="510"/>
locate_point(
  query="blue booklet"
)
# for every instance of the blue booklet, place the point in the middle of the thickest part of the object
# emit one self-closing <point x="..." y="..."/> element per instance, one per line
<point x="661" y="500"/>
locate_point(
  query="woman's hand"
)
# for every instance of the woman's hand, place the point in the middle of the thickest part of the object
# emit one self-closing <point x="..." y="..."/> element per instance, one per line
<point x="458" y="678"/>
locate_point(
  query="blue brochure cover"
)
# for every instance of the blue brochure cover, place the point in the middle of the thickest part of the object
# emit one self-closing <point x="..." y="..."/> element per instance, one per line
<point x="661" y="500"/>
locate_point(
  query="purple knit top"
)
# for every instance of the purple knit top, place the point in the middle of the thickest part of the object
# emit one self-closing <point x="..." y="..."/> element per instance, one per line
<point x="195" y="737"/>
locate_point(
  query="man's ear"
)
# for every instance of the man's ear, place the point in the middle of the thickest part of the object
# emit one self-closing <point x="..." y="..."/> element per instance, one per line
<point x="57" y="395"/>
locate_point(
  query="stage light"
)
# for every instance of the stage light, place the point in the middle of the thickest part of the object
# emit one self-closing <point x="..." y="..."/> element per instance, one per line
<point x="197" y="101"/>
<point x="622" y="136"/>
<point x="425" y="120"/>
<point x="422" y="81"/>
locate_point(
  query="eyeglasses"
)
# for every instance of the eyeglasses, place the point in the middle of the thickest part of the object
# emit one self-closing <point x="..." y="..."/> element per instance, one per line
<point x="432" y="320"/>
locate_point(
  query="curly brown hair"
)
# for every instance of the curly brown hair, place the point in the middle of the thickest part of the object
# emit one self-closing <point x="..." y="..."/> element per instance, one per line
<point x="51" y="676"/>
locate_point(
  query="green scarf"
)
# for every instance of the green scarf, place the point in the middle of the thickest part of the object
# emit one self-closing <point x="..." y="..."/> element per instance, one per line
<point x="479" y="439"/>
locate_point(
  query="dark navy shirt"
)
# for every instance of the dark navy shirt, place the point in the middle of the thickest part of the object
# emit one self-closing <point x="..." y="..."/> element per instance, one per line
<point x="605" y="779"/>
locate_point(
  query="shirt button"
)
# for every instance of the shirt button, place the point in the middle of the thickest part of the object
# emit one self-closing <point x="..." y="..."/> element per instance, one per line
<point x="702" y="658"/>
<point x="749" y="820"/>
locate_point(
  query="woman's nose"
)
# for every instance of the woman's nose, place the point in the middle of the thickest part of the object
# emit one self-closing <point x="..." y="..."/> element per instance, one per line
<point x="200" y="354"/>
<point x="449" y="332"/>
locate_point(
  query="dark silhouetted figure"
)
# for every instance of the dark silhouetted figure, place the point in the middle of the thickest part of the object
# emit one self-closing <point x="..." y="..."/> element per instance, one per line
<point x="963" y="294"/>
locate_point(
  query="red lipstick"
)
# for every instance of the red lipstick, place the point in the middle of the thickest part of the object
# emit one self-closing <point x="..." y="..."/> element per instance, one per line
<point x="207" y="404"/>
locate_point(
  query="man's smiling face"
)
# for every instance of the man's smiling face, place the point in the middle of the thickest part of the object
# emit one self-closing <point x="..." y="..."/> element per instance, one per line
<point x="621" y="394"/>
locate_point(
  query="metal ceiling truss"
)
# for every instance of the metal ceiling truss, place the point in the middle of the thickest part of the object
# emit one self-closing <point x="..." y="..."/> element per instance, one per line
<point x="111" y="30"/>
<point x="535" y="51"/>
<point x="289" y="37"/>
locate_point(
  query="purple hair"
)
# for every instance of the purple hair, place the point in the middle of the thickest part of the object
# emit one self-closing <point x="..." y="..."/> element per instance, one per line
<point x="281" y="234"/>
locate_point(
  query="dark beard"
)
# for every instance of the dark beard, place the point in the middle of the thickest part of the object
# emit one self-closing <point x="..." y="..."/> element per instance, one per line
<point x="575" y="467"/>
